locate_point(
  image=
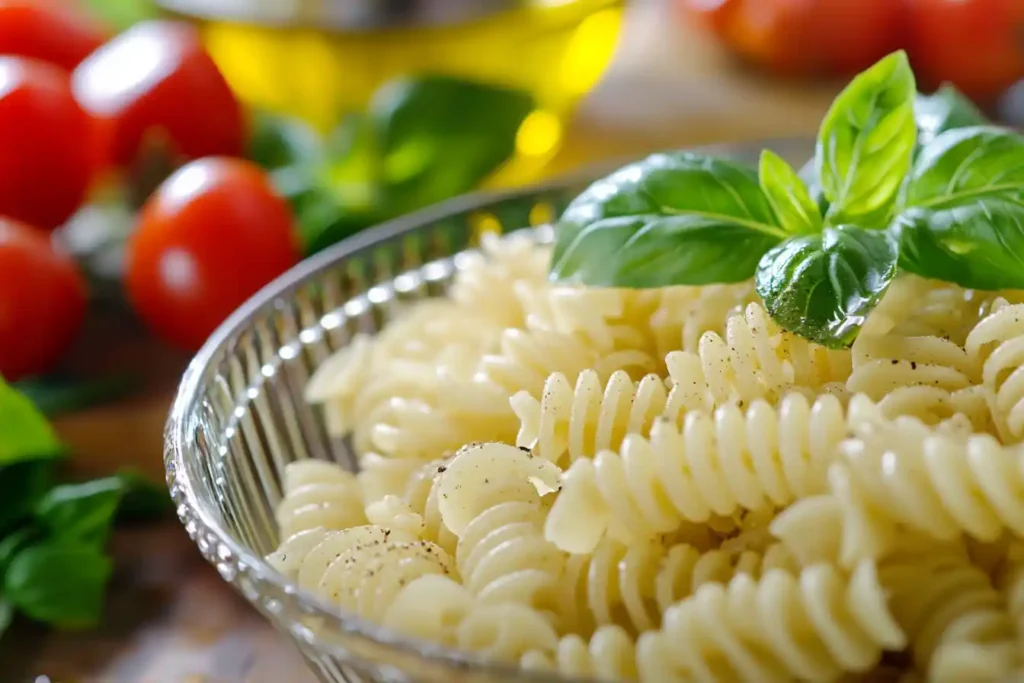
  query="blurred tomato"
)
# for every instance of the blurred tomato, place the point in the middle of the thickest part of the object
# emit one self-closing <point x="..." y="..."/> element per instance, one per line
<point x="45" y="165"/>
<point x="210" y="237"/>
<point x="42" y="301"/>
<point x="47" y="30"/>
<point x="804" y="37"/>
<point x="156" y="80"/>
<point x="978" y="45"/>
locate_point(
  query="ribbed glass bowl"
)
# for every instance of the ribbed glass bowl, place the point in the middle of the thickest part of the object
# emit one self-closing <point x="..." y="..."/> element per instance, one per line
<point x="239" y="416"/>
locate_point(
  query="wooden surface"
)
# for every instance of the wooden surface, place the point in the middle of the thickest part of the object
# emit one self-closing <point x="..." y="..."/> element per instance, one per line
<point x="171" y="619"/>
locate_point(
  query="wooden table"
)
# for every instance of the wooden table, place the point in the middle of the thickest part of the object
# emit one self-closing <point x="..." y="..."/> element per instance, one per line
<point x="171" y="619"/>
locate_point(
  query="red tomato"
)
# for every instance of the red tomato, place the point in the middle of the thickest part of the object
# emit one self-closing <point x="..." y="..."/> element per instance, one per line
<point x="212" y="235"/>
<point x="156" y="79"/>
<point x="42" y="301"/>
<point x="801" y="37"/>
<point x="45" y="166"/>
<point x="47" y="30"/>
<point x="978" y="45"/>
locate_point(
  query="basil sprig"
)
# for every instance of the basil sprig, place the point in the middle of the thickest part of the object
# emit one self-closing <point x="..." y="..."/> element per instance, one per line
<point x="919" y="183"/>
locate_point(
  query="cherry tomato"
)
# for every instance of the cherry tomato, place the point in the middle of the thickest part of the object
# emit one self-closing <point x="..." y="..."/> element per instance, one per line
<point x="156" y="80"/>
<point x="978" y="45"/>
<point x="42" y="301"/>
<point x="45" y="162"/>
<point x="804" y="37"/>
<point x="212" y="235"/>
<point x="47" y="30"/>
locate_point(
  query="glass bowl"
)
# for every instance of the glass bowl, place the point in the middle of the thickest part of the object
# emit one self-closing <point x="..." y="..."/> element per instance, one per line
<point x="239" y="416"/>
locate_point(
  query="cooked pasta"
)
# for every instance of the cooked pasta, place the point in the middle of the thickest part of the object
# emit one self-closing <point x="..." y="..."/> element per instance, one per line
<point x="662" y="485"/>
<point x="812" y="626"/>
<point x="719" y="463"/>
<point x="583" y="420"/>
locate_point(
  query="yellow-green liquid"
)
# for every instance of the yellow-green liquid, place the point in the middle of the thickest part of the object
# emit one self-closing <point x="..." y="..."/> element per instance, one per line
<point x="557" y="50"/>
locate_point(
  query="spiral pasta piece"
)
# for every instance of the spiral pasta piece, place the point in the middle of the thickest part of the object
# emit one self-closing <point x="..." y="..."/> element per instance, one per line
<point x="502" y="555"/>
<point x="318" y="494"/>
<point x="631" y="586"/>
<point x="435" y="607"/>
<point x="486" y="281"/>
<point x="956" y="622"/>
<point x="581" y="421"/>
<point x="717" y="463"/>
<point x="606" y="318"/>
<point x="830" y="623"/>
<point x="883" y="364"/>
<point x="526" y="358"/>
<point x="609" y="655"/>
<point x="755" y="360"/>
<point x="997" y="345"/>
<point x="684" y="314"/>
<point x="938" y="483"/>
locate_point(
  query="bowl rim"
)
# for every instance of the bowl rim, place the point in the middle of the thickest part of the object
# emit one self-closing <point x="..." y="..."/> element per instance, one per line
<point x="181" y="484"/>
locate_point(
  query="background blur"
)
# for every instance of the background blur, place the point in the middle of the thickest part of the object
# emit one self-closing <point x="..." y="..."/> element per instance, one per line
<point x="347" y="113"/>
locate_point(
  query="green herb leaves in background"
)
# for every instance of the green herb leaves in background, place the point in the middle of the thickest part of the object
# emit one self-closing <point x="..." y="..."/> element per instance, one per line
<point x="421" y="141"/>
<point x="945" y="109"/>
<point x="823" y="286"/>
<point x="53" y="564"/>
<point x="899" y="180"/>
<point x="796" y="210"/>
<point x="866" y="141"/>
<point x="671" y="219"/>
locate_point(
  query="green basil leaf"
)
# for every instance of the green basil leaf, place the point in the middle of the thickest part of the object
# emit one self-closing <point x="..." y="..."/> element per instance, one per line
<point x="965" y="164"/>
<point x="662" y="251"/>
<point x="277" y="142"/>
<point x="866" y="142"/>
<point x="796" y="210"/>
<point x="59" y="583"/>
<point x="978" y="245"/>
<point x="945" y="109"/>
<point x="6" y="616"/>
<point x="440" y="136"/>
<point x="59" y="394"/>
<point x="822" y="287"/>
<point x="22" y="486"/>
<point x="809" y="174"/>
<point x="15" y="542"/>
<point x="24" y="432"/>
<point x="143" y="499"/>
<point x="671" y="219"/>
<point x="82" y="512"/>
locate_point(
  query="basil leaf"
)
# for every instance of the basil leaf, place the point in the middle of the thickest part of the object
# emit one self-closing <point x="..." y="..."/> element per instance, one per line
<point x="82" y="512"/>
<point x="809" y="174"/>
<point x="278" y="142"/>
<point x="662" y="251"/>
<point x="6" y="616"/>
<point x="978" y="245"/>
<point x="440" y="136"/>
<point x="671" y="219"/>
<point x="866" y="141"/>
<point x="59" y="394"/>
<point x="59" y="583"/>
<point x="143" y="499"/>
<point x="796" y="210"/>
<point x="22" y="485"/>
<point x="965" y="164"/>
<point x="822" y="287"/>
<point x="945" y="109"/>
<point x="15" y="542"/>
<point x="24" y="432"/>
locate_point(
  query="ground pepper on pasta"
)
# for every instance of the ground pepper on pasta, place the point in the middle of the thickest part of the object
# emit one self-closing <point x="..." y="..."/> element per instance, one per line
<point x="662" y="485"/>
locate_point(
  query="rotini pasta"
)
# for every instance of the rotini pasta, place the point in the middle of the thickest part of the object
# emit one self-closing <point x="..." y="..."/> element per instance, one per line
<point x="583" y="420"/>
<point x="693" y="494"/>
<point x="813" y="626"/>
<point x="716" y="464"/>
